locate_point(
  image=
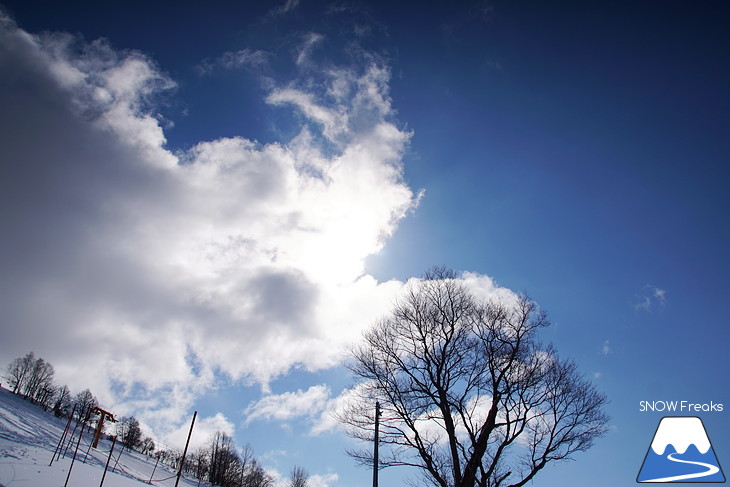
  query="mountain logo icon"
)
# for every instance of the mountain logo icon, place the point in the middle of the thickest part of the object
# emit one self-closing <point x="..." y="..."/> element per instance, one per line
<point x="680" y="452"/>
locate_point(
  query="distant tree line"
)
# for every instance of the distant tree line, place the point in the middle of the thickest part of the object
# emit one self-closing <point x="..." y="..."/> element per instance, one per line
<point x="219" y="461"/>
<point x="33" y="378"/>
<point x="222" y="463"/>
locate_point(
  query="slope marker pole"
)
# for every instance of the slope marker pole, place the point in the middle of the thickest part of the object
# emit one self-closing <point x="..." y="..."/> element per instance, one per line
<point x="154" y="470"/>
<point x="63" y="437"/>
<point x="74" y="457"/>
<point x="182" y="462"/>
<point x="114" y="441"/>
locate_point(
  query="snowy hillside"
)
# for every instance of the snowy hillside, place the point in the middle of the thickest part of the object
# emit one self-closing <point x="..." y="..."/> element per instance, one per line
<point x="28" y="438"/>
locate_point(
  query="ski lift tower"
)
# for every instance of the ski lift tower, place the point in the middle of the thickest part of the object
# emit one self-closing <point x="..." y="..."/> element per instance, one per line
<point x="103" y="416"/>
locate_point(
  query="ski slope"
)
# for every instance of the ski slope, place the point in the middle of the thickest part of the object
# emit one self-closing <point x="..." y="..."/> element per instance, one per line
<point x="28" y="438"/>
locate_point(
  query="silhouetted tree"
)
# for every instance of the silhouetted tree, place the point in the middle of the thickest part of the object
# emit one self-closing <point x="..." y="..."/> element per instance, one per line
<point x="199" y="463"/>
<point x="85" y="402"/>
<point x="39" y="381"/>
<point x="45" y="395"/>
<point x="18" y="371"/>
<point x="469" y="395"/>
<point x="129" y="432"/>
<point x="245" y="461"/>
<point x="257" y="476"/>
<point x="62" y="404"/>
<point x="33" y="378"/>
<point x="298" y="477"/>
<point x="224" y="461"/>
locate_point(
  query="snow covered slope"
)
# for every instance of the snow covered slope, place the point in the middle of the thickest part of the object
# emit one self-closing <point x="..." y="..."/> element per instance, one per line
<point x="28" y="438"/>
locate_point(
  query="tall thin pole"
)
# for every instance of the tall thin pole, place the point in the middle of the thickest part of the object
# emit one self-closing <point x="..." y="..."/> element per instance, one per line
<point x="375" y="447"/>
<point x="185" y="452"/>
<point x="63" y="437"/>
<point x="75" y="452"/>
<point x="154" y="470"/>
<point x="88" y="450"/>
<point x="109" y="458"/>
<point x="70" y="439"/>
<point x="116" y="462"/>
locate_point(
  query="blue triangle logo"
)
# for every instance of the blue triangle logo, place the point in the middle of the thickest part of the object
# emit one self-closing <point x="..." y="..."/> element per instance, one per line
<point x="680" y="452"/>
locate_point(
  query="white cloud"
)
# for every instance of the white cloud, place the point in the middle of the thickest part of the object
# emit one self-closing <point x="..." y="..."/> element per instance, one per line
<point x="326" y="480"/>
<point x="137" y="271"/>
<point x="606" y="348"/>
<point x="314" y="480"/>
<point x="286" y="7"/>
<point x="289" y="405"/>
<point x="305" y="49"/>
<point x="650" y="298"/>
<point x="203" y="430"/>
<point x="332" y="121"/>
<point x="250" y="59"/>
<point x="327" y="419"/>
<point x="273" y="455"/>
<point x="485" y="288"/>
<point x="660" y="295"/>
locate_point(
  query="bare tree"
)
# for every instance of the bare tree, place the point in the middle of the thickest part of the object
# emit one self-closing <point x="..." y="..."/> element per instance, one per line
<point x="46" y="394"/>
<point x="224" y="461"/>
<point x="18" y="370"/>
<point x="147" y="446"/>
<point x="85" y="402"/>
<point x="257" y="476"/>
<point x="32" y="378"/>
<point x="469" y="395"/>
<point x="39" y="381"/>
<point x="129" y="432"/>
<point x="246" y="458"/>
<point x="198" y="461"/>
<point x="169" y="457"/>
<point x="63" y="401"/>
<point x="223" y="464"/>
<point x="298" y="477"/>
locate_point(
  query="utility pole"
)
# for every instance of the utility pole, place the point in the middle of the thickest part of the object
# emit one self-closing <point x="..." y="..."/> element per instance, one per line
<point x="375" y="448"/>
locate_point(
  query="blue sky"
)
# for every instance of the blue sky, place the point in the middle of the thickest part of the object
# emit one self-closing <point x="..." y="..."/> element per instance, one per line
<point x="573" y="150"/>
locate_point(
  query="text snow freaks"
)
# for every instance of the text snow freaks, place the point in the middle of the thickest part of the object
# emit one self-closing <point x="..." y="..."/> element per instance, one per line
<point x="679" y="407"/>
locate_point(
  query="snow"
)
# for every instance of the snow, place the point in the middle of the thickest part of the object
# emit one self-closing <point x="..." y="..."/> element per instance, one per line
<point x="28" y="438"/>
<point x="680" y="432"/>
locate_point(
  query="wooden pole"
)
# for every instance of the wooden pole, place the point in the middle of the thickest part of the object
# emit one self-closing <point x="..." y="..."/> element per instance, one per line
<point x="185" y="452"/>
<point x="375" y="447"/>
